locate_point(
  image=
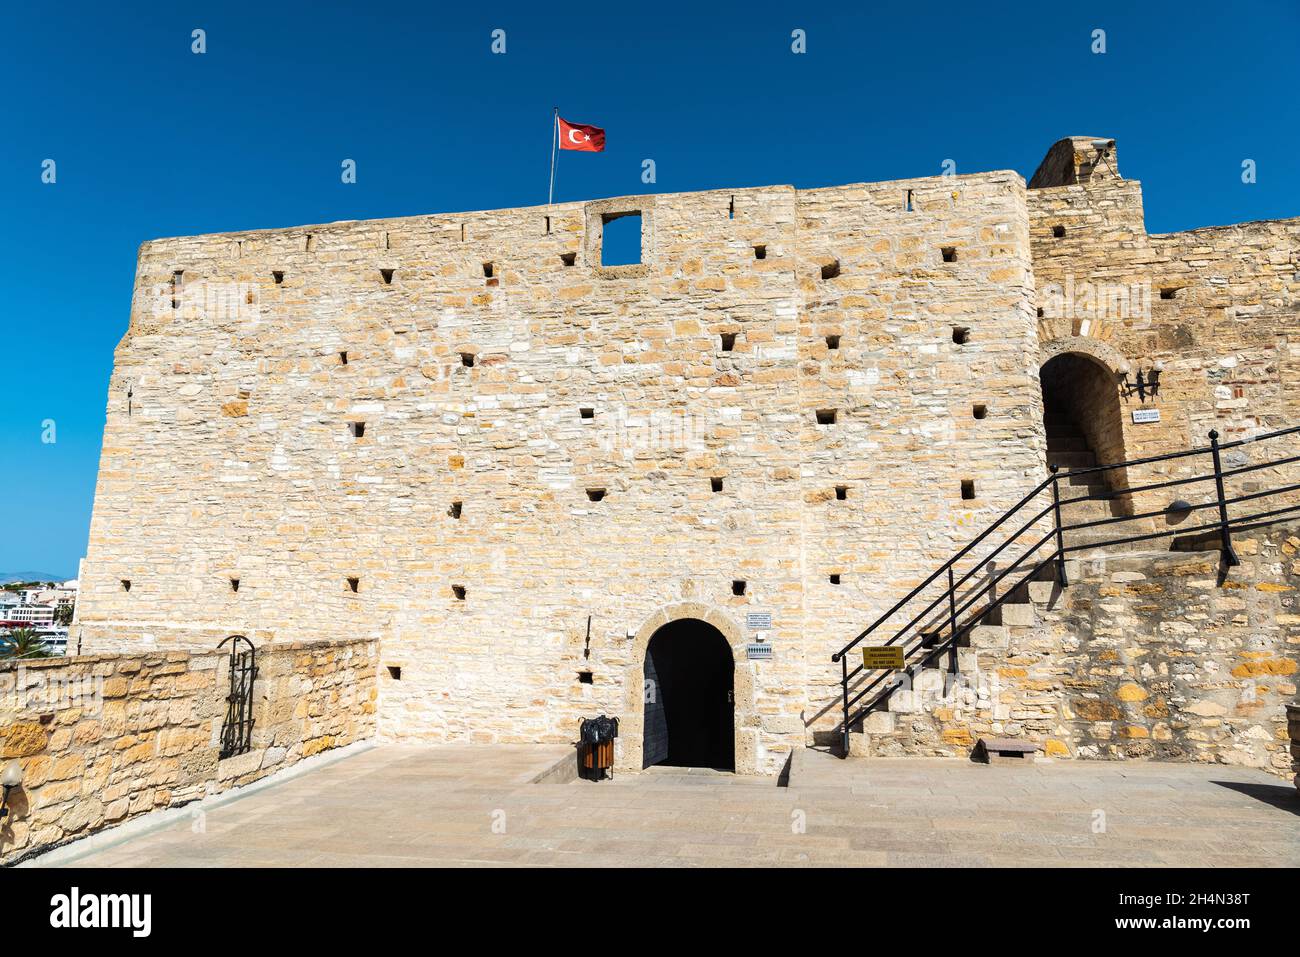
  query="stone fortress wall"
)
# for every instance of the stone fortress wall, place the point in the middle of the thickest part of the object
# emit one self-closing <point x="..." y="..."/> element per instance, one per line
<point x="397" y="430"/>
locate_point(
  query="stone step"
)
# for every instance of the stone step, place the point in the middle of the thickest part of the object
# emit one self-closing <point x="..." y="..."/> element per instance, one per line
<point x="1090" y="479"/>
<point x="994" y="637"/>
<point x="1013" y="615"/>
<point x="1043" y="592"/>
<point x="1071" y="460"/>
<point x="1067" y="443"/>
<point x="1087" y="510"/>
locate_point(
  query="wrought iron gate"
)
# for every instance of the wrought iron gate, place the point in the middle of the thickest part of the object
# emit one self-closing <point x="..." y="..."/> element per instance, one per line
<point x="237" y="728"/>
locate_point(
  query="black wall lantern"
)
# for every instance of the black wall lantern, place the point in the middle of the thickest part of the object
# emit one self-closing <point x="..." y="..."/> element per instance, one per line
<point x="10" y="778"/>
<point x="1146" y="384"/>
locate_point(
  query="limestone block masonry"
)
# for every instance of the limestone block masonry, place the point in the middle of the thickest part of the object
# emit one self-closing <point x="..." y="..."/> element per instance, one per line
<point x="106" y="738"/>
<point x="463" y="437"/>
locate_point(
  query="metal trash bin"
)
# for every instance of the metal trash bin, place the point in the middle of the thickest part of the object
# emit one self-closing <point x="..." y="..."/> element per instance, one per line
<point x="596" y="747"/>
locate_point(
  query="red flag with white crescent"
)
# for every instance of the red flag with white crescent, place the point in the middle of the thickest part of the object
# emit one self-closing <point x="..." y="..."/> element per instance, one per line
<point x="577" y="136"/>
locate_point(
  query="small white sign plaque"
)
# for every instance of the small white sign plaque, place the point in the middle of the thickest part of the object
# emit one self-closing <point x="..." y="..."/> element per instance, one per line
<point x="1145" y="415"/>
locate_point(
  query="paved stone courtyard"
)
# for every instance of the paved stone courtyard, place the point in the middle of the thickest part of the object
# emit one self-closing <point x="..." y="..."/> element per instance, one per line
<point x="476" y="805"/>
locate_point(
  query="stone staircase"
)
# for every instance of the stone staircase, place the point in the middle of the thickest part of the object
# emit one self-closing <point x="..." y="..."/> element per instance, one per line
<point x="912" y="720"/>
<point x="1068" y="449"/>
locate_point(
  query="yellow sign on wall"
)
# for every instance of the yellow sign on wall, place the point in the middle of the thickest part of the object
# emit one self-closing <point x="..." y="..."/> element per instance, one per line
<point x="882" y="657"/>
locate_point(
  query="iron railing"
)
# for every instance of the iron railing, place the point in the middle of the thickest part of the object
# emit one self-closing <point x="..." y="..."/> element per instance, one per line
<point x="963" y="600"/>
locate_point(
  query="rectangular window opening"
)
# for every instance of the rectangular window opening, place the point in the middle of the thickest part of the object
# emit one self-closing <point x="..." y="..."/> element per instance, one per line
<point x="467" y="359"/>
<point x="715" y="483"/>
<point x="731" y="208"/>
<point x="126" y="584"/>
<point x="354" y="585"/>
<point x="738" y="587"/>
<point x="620" y="239"/>
<point x="343" y="358"/>
<point x="569" y="259"/>
<point x="395" y="672"/>
<point x="832" y="342"/>
<point x="278" y="276"/>
<point x="1058" y="231"/>
<point x="595" y="494"/>
<point x="489" y="270"/>
<point x="979" y="410"/>
<point x="949" y="254"/>
<point x="760" y="252"/>
<point x="961" y="335"/>
<point x="831" y="269"/>
<point x="458" y="591"/>
<point x="826" y="416"/>
<point x="358" y="429"/>
<point x="234" y="584"/>
<point x="455" y="510"/>
<point x="548" y="225"/>
<point x="907" y="201"/>
<point x="1169" y="292"/>
<point x="387" y="275"/>
<point x="841" y="492"/>
<point x="835" y="578"/>
<point x="967" y="489"/>
<point x="585" y="678"/>
<point x="728" y="341"/>
<point x="177" y="280"/>
<point x="587" y="413"/>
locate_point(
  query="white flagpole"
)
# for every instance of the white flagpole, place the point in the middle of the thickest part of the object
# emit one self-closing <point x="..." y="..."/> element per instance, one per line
<point x="555" y="139"/>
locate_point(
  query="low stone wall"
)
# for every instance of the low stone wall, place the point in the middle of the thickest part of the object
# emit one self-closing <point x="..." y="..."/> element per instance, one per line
<point x="105" y="738"/>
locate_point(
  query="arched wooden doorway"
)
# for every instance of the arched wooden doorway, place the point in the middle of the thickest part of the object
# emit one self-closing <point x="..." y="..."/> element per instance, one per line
<point x="689" y="698"/>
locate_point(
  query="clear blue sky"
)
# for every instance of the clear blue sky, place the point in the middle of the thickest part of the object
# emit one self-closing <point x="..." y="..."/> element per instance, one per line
<point x="152" y="140"/>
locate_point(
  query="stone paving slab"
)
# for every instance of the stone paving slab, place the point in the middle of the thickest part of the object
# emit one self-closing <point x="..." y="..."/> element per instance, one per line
<point x="471" y="805"/>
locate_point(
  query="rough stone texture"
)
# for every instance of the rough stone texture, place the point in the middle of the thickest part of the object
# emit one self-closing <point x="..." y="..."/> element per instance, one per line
<point x="104" y="738"/>
<point x="1293" y="729"/>
<point x="1144" y="656"/>
<point x="467" y="344"/>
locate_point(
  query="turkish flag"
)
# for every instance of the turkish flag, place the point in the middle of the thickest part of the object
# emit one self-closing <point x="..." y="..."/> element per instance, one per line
<point x="576" y="136"/>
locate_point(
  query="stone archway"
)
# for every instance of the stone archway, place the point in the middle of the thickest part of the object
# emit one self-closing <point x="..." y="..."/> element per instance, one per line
<point x="1082" y="415"/>
<point x="630" y="755"/>
<point x="688" y="705"/>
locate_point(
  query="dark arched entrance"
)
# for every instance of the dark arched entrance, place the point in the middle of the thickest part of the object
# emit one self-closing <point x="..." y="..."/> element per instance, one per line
<point x="689" y="700"/>
<point x="1084" y="420"/>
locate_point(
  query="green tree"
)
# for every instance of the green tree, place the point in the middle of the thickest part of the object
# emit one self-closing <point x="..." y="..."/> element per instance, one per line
<point x="63" y="614"/>
<point x="23" y="643"/>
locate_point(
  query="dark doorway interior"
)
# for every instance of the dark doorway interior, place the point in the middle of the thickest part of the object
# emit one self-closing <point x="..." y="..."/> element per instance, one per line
<point x="1084" y="422"/>
<point x="689" y="709"/>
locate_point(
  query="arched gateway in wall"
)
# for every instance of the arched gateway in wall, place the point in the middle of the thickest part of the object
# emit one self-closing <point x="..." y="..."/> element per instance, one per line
<point x="689" y="698"/>
<point x="1082" y="413"/>
<point x="688" y="669"/>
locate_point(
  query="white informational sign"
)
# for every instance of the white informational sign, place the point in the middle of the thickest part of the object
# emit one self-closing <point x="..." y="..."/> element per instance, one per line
<point x="758" y="651"/>
<point x="758" y="621"/>
<point x="1145" y="415"/>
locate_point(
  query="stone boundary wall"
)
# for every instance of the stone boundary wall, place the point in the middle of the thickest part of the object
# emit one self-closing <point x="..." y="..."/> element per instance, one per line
<point x="106" y="738"/>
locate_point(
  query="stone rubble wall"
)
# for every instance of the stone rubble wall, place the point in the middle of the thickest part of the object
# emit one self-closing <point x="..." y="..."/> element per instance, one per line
<point x="1143" y="656"/>
<point x="230" y="450"/>
<point x="1226" y="337"/>
<point x="106" y="738"/>
<point x="294" y="416"/>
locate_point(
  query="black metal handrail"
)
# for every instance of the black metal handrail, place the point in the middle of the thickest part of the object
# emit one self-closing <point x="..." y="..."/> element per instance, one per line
<point x="965" y="610"/>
